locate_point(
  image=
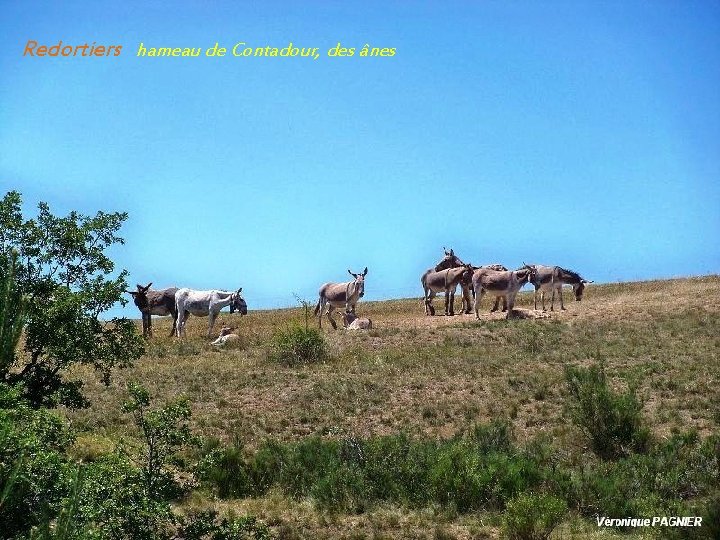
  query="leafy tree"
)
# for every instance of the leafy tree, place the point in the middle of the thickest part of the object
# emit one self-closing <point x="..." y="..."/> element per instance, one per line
<point x="164" y="432"/>
<point x="12" y="311"/>
<point x="63" y="270"/>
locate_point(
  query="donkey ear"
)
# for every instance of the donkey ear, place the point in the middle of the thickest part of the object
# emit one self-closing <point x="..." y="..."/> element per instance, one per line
<point x="240" y="290"/>
<point x="365" y="272"/>
<point x="132" y="293"/>
<point x="353" y="275"/>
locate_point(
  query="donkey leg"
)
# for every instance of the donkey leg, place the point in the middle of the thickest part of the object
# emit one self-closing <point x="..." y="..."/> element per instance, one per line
<point x="510" y="304"/>
<point x="562" y="306"/>
<point x="428" y="302"/>
<point x="467" y="309"/>
<point x="478" y="298"/>
<point x="211" y="321"/>
<point x="495" y="305"/>
<point x="329" y="316"/>
<point x="180" y="329"/>
<point x="146" y="328"/>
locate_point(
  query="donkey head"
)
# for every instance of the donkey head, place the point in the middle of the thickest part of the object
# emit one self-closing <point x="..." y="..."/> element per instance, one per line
<point x="579" y="288"/>
<point x="450" y="260"/>
<point x="227" y="330"/>
<point x="359" y="283"/>
<point x="466" y="278"/>
<point x="238" y="303"/>
<point x="140" y="296"/>
<point x="526" y="274"/>
<point x="532" y="268"/>
<point x="348" y="317"/>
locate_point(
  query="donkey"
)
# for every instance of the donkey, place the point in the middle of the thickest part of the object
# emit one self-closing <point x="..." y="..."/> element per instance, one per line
<point x="151" y="303"/>
<point x="226" y="335"/>
<point x="206" y="303"/>
<point x="446" y="281"/>
<point x="340" y="295"/>
<point x="353" y="322"/>
<point x="506" y="283"/>
<point x="466" y="300"/>
<point x="453" y="261"/>
<point x="553" y="278"/>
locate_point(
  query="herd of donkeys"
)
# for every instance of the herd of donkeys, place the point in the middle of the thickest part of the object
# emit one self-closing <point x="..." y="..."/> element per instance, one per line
<point x="446" y="276"/>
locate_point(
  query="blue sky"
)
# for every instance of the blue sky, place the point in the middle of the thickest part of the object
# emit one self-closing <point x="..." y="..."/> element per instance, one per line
<point x="585" y="134"/>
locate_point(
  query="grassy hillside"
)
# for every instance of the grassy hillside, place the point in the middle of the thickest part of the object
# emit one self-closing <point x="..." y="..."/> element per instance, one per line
<point x="430" y="377"/>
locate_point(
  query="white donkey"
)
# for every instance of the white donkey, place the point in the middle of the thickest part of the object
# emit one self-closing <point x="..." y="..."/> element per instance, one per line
<point x="340" y="295"/>
<point x="206" y="303"/>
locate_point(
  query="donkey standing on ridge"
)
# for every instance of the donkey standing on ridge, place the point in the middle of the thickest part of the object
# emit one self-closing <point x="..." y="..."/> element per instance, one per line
<point x="340" y="295"/>
<point x="553" y="278"/>
<point x="497" y="268"/>
<point x="467" y="282"/>
<point x="500" y="283"/>
<point x="450" y="260"/>
<point x="443" y="281"/>
<point x="151" y="303"/>
<point x="206" y="303"/>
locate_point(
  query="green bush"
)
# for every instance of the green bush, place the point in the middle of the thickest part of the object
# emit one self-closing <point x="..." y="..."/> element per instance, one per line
<point x="341" y="489"/>
<point x="35" y="473"/>
<point x="493" y="437"/>
<point x="396" y="468"/>
<point x="466" y="473"/>
<point x="483" y="469"/>
<point x="226" y="469"/>
<point x="532" y="517"/>
<point x="612" y="422"/>
<point x="657" y="483"/>
<point x="205" y="525"/>
<point x="114" y="500"/>
<point x="298" y="345"/>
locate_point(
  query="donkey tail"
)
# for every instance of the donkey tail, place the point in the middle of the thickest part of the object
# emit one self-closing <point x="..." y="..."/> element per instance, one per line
<point x="317" y="307"/>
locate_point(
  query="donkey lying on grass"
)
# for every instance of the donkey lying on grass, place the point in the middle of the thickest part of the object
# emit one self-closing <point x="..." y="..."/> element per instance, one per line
<point x="151" y="303"/>
<point x="340" y="295"/>
<point x="353" y="322"/>
<point x="206" y="304"/>
<point x="226" y="336"/>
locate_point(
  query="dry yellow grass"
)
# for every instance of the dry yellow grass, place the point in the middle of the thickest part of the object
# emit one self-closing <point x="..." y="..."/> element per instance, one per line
<point x="434" y="376"/>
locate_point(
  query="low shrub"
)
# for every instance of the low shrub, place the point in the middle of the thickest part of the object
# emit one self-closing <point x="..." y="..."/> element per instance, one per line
<point x="532" y="517"/>
<point x="612" y="422"/>
<point x="298" y="345"/>
<point x="657" y="483"/>
<point x="467" y="473"/>
<point x="206" y="525"/>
